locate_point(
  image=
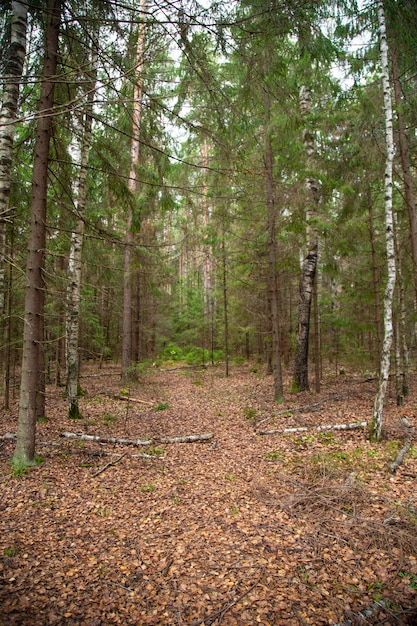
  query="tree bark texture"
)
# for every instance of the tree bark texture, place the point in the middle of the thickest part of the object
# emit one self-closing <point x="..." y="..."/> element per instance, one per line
<point x="405" y="166"/>
<point x="32" y="361"/>
<point x="309" y="266"/>
<point x="75" y="255"/>
<point x="13" y="69"/>
<point x="377" y="416"/>
<point x="272" y="254"/>
<point x="133" y="189"/>
<point x="375" y="271"/>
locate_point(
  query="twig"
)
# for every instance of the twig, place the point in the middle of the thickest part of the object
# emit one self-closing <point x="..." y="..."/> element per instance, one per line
<point x="103" y="469"/>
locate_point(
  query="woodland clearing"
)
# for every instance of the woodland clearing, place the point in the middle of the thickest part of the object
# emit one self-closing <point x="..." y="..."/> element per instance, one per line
<point x="303" y="527"/>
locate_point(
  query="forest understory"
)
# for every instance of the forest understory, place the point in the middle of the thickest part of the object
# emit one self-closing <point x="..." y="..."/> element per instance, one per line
<point x="305" y="527"/>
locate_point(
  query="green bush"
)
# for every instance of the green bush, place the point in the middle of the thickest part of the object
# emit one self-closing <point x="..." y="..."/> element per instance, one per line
<point x="172" y="352"/>
<point x="197" y="355"/>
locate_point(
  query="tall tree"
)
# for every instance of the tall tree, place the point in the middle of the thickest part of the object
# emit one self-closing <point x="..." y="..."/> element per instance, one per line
<point x="12" y="74"/>
<point x="31" y="395"/>
<point x="133" y="189"/>
<point x="77" y="237"/>
<point x="309" y="266"/>
<point x="376" y="426"/>
<point x="272" y="252"/>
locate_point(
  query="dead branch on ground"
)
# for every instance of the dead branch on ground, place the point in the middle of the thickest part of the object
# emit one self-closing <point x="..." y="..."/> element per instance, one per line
<point x="406" y="447"/>
<point x="139" y="442"/>
<point x="303" y="429"/>
<point x="109" y="464"/>
<point x="300" y="409"/>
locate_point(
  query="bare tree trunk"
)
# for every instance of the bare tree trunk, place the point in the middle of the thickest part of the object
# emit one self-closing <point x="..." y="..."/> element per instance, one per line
<point x="309" y="267"/>
<point x="75" y="255"/>
<point x="401" y="348"/>
<point x="376" y="425"/>
<point x="405" y="166"/>
<point x="375" y="273"/>
<point x="225" y="307"/>
<point x="133" y="188"/>
<point x="32" y="366"/>
<point x="207" y="259"/>
<point x="13" y="68"/>
<point x="272" y="254"/>
<point x="317" y="347"/>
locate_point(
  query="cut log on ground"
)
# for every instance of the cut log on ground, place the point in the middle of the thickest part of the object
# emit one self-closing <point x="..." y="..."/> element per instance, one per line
<point x="406" y="447"/>
<point x="139" y="442"/>
<point x="303" y="429"/>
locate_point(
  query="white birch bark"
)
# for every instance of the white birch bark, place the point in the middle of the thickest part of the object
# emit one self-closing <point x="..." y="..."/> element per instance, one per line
<point x="12" y="75"/>
<point x="81" y="151"/>
<point x="133" y="186"/>
<point x="309" y="265"/>
<point x="376" y="425"/>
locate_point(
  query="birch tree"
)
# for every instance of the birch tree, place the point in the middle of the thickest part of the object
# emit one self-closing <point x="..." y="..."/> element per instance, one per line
<point x="376" y="425"/>
<point x="12" y="74"/>
<point x="309" y="265"/>
<point x="81" y="155"/>
<point x="31" y="395"/>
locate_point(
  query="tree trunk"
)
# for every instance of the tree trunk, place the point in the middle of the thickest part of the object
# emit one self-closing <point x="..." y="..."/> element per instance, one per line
<point x="317" y="346"/>
<point x="13" y="68"/>
<point x="133" y="189"/>
<point x="32" y="366"/>
<point x="405" y="166"/>
<point x="74" y="268"/>
<point x="309" y="266"/>
<point x="272" y="254"/>
<point x="225" y="307"/>
<point x="376" y="425"/>
<point x="375" y="272"/>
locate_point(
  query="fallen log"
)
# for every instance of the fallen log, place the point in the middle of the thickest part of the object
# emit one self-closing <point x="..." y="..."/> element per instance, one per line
<point x="98" y="439"/>
<point x="185" y="438"/>
<point x="303" y="429"/>
<point x="129" y="399"/>
<point x="407" y="445"/>
<point x="139" y="442"/>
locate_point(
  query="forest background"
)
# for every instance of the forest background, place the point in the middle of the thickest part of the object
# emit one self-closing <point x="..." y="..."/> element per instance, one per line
<point x="207" y="219"/>
<point x="199" y="179"/>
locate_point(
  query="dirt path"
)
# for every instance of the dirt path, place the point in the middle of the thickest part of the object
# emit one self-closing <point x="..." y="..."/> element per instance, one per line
<point x="304" y="528"/>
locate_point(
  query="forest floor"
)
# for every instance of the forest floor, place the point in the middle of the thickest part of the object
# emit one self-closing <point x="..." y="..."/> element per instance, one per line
<point x="307" y="527"/>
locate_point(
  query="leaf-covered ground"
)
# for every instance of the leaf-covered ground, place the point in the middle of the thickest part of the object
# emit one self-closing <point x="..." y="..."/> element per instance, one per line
<point x="301" y="528"/>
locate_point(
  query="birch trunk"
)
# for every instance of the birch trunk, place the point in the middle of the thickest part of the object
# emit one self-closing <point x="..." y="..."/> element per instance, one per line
<point x="13" y="69"/>
<point x="309" y="266"/>
<point x="74" y="268"/>
<point x="133" y="189"/>
<point x="376" y="424"/>
<point x="32" y="365"/>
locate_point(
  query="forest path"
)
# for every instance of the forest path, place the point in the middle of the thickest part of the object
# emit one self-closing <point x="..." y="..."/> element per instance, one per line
<point x="305" y="528"/>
